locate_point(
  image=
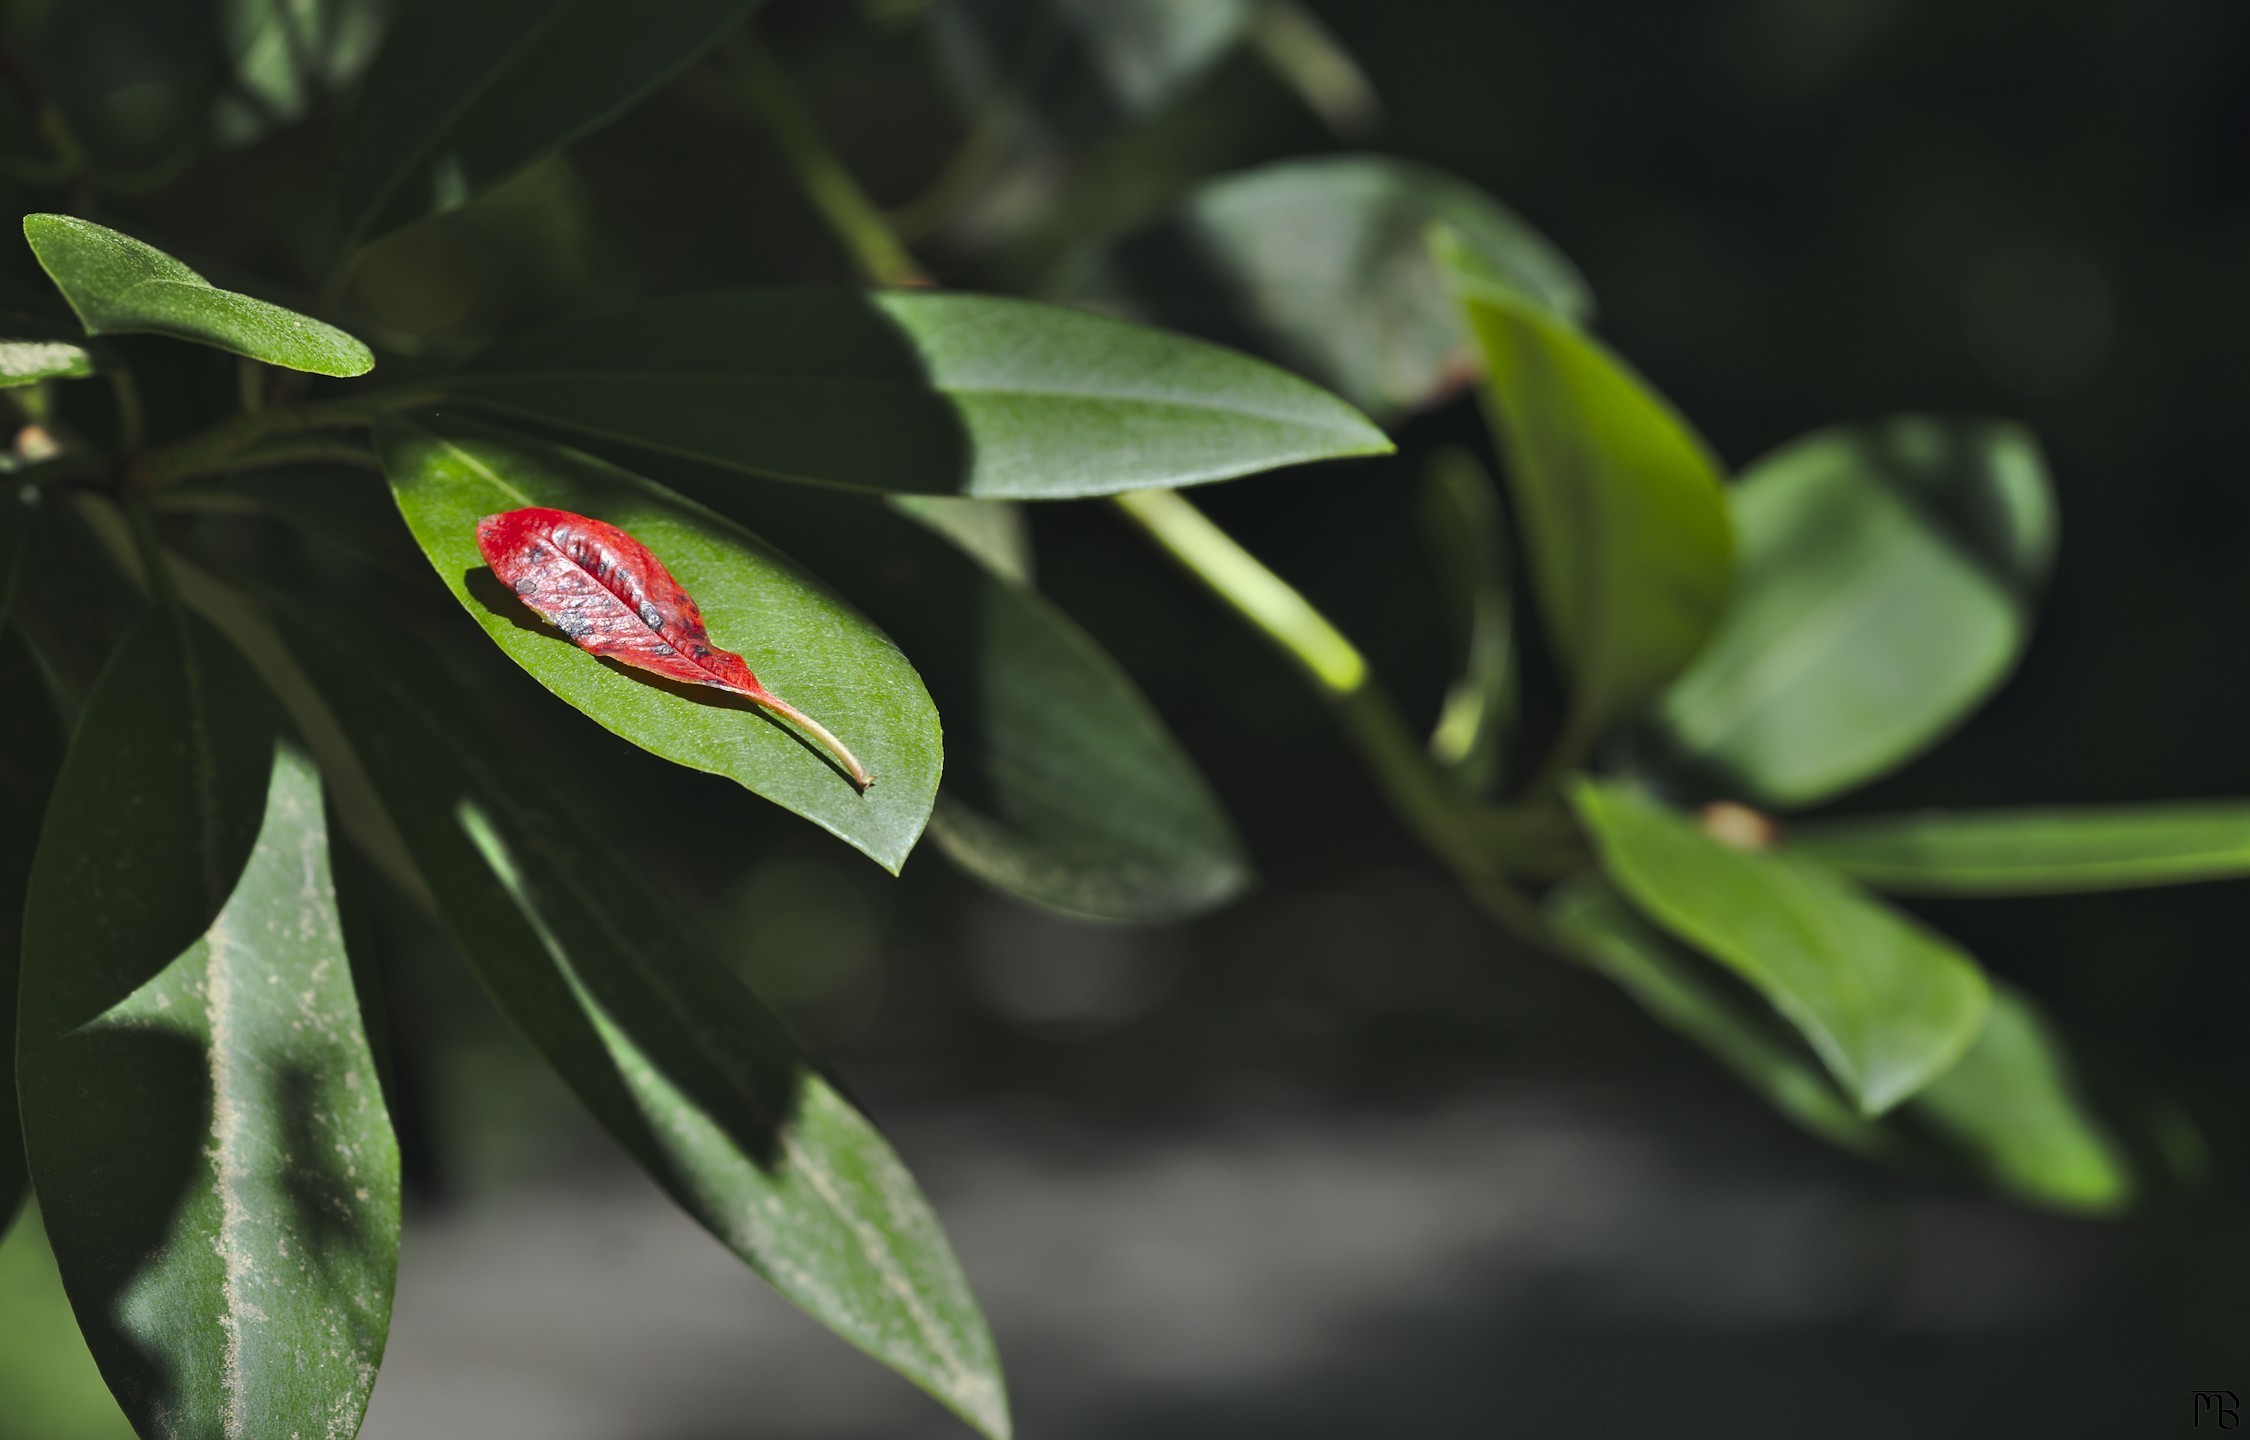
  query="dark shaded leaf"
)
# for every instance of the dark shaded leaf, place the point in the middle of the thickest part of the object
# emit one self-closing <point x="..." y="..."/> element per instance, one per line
<point x="627" y="1002"/>
<point x="797" y="635"/>
<point x="70" y="603"/>
<point x="917" y="393"/>
<point x="464" y="96"/>
<point x="31" y="748"/>
<point x="1464" y="526"/>
<point x="1887" y="575"/>
<point x="2036" y="852"/>
<point x="117" y="285"/>
<point x="1888" y="1005"/>
<point x="1076" y="68"/>
<point x="200" y="1107"/>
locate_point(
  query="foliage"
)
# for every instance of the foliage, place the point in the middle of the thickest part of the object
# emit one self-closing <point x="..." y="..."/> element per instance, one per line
<point x="836" y="475"/>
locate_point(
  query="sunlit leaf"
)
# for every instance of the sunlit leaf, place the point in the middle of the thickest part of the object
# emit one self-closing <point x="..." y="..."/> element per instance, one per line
<point x="1673" y="987"/>
<point x="1324" y="264"/>
<point x="1464" y="526"/>
<point x="1624" y="522"/>
<point x="2011" y="1104"/>
<point x="1887" y="574"/>
<point x="917" y="392"/>
<point x="799" y="638"/>
<point x="2038" y="851"/>
<point x="624" y="998"/>
<point x="200" y="1107"/>
<point x="117" y="285"/>
<point x="1887" y="1004"/>
<point x="462" y="96"/>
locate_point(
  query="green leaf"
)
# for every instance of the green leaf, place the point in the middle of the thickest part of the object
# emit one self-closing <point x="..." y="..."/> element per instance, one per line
<point x="70" y="604"/>
<point x="1465" y="528"/>
<point x="808" y="646"/>
<point x="915" y="392"/>
<point x="463" y="96"/>
<point x="1886" y="1004"/>
<point x="1887" y="576"/>
<point x="2038" y="851"/>
<point x="1676" y="989"/>
<point x="34" y="348"/>
<point x="1324" y="264"/>
<point x="117" y="285"/>
<point x="31" y="746"/>
<point x="200" y="1107"/>
<point x="1063" y="785"/>
<point x="1623" y="517"/>
<point x="625" y="999"/>
<point x="286" y="56"/>
<point x="995" y="533"/>
<point x="2010" y="1102"/>
<point x="1079" y="68"/>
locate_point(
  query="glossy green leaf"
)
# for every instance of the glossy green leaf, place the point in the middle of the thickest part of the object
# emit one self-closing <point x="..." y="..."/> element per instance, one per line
<point x="463" y="96"/>
<point x="34" y="348"/>
<point x="1324" y="264"/>
<point x="918" y="393"/>
<point x="1465" y="529"/>
<point x="2036" y="852"/>
<point x="117" y="285"/>
<point x="2011" y="1104"/>
<point x="31" y="746"/>
<point x="1624" y="522"/>
<point x="1887" y="574"/>
<point x="1676" y="989"/>
<point x="626" y="1000"/>
<point x="1063" y="786"/>
<point x="200" y="1106"/>
<point x="1887" y="1004"/>
<point x="805" y="644"/>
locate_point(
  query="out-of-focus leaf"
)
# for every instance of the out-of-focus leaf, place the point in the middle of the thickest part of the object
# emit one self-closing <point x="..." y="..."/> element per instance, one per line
<point x="1624" y="521"/>
<point x="1463" y="524"/>
<point x="1324" y="264"/>
<point x="1076" y="67"/>
<point x="796" y="635"/>
<point x="348" y="510"/>
<point x="1672" y="986"/>
<point x="133" y="79"/>
<point x="2043" y="851"/>
<point x="1063" y="786"/>
<point x="200" y="1107"/>
<point x="117" y="285"/>
<point x="918" y="393"/>
<point x="2011" y="1104"/>
<point x="31" y="746"/>
<point x="285" y="56"/>
<point x="462" y="96"/>
<point x="684" y="1067"/>
<point x="1887" y="573"/>
<point x="1314" y="63"/>
<point x="995" y="532"/>
<point x="70" y="604"/>
<point x="34" y="348"/>
<point x="1887" y="1005"/>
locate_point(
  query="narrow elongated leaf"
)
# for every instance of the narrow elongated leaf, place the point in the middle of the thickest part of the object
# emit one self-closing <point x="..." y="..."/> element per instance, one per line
<point x="1887" y="579"/>
<point x="461" y="97"/>
<point x="1672" y="986"/>
<point x="31" y="746"/>
<point x="1625" y="525"/>
<point x="2044" y="851"/>
<point x="659" y="1039"/>
<point x="1063" y="786"/>
<point x="2011" y="1105"/>
<point x="1463" y="525"/>
<point x="917" y="393"/>
<point x="797" y="636"/>
<point x="1887" y="1005"/>
<point x="117" y="285"/>
<point x="1324" y="264"/>
<point x="200" y="1106"/>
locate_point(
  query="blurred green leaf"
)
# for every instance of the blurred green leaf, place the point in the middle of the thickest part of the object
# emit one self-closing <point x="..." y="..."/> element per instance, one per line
<point x="1624" y="521"/>
<point x="1673" y="987"/>
<point x="200" y="1107"/>
<point x="917" y="392"/>
<point x="462" y="96"/>
<point x="1886" y="580"/>
<point x="625" y="999"/>
<point x="285" y="56"/>
<point x="117" y="285"/>
<point x="1887" y="1005"/>
<point x="1063" y="786"/>
<point x="1465" y="528"/>
<point x="31" y="746"/>
<point x="34" y="348"/>
<point x="807" y="645"/>
<point x="2010" y="1103"/>
<point x="2037" y="851"/>
<point x="1324" y="264"/>
<point x="1078" y="66"/>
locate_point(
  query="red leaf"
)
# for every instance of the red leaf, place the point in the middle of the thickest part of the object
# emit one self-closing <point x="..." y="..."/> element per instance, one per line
<point x="611" y="597"/>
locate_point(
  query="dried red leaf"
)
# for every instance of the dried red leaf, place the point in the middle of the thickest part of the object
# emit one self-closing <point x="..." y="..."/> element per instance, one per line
<point x="611" y="597"/>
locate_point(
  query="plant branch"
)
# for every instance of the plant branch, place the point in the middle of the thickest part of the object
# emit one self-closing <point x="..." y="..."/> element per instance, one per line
<point x="224" y="446"/>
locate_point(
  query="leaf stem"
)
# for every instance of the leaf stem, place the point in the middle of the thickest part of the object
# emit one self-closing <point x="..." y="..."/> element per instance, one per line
<point x="223" y="446"/>
<point x="820" y="734"/>
<point x="854" y="219"/>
